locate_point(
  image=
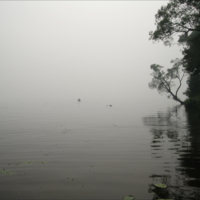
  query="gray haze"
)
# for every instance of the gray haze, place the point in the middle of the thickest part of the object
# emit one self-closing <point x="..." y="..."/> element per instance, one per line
<point x="85" y="49"/>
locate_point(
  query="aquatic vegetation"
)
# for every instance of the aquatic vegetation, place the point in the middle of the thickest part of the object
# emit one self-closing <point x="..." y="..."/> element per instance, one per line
<point x="161" y="191"/>
<point x="6" y="172"/>
<point x="160" y="185"/>
<point x="34" y="162"/>
<point x="164" y="199"/>
<point x="159" y="176"/>
<point x="129" y="197"/>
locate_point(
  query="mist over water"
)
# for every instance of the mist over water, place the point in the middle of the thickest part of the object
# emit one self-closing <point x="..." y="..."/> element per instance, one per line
<point x="121" y="137"/>
<point x="71" y="149"/>
<point x="89" y="50"/>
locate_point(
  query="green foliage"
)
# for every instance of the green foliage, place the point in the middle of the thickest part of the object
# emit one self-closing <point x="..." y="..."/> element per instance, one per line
<point x="164" y="81"/>
<point x="193" y="92"/>
<point x="178" y="16"/>
<point x="193" y="89"/>
<point x="191" y="52"/>
<point x="182" y="18"/>
<point x="193" y="103"/>
<point x="164" y="199"/>
<point x="129" y="197"/>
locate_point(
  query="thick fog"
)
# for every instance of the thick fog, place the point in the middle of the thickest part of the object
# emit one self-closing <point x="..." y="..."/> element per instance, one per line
<point x="84" y="49"/>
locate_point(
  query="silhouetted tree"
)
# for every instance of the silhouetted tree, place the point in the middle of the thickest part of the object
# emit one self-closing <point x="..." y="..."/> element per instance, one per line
<point x="164" y="81"/>
<point x="177" y="17"/>
<point x="191" y="52"/>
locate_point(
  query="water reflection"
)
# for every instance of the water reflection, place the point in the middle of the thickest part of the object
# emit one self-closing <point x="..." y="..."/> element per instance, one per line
<point x="176" y="143"/>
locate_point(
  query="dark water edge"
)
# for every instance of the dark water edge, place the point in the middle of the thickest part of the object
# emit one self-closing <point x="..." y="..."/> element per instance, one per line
<point x="94" y="151"/>
<point x="185" y="140"/>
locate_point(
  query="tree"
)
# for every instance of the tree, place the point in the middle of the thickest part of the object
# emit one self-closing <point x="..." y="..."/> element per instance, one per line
<point x="193" y="89"/>
<point x="191" y="52"/>
<point x="177" y="17"/>
<point x="164" y="81"/>
<point x="191" y="58"/>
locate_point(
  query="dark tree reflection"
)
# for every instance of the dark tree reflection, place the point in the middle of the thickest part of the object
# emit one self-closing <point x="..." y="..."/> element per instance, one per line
<point x="176" y="132"/>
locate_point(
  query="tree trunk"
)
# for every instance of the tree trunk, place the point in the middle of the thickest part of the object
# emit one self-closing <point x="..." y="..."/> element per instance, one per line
<point x="176" y="98"/>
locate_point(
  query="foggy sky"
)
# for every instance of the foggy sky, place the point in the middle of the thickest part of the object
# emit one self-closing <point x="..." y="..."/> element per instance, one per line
<point x="82" y="49"/>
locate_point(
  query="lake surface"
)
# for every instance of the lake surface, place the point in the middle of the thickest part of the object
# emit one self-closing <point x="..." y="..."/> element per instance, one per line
<point x="91" y="150"/>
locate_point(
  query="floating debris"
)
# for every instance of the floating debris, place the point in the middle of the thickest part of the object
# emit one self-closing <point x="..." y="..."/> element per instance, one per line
<point x="69" y="179"/>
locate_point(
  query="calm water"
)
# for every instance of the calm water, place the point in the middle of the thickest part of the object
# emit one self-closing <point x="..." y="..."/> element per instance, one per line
<point x="90" y="150"/>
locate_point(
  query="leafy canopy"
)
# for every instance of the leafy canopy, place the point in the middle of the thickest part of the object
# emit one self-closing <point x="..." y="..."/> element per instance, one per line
<point x="177" y="17"/>
<point x="164" y="81"/>
<point x="191" y="52"/>
<point x="193" y="89"/>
